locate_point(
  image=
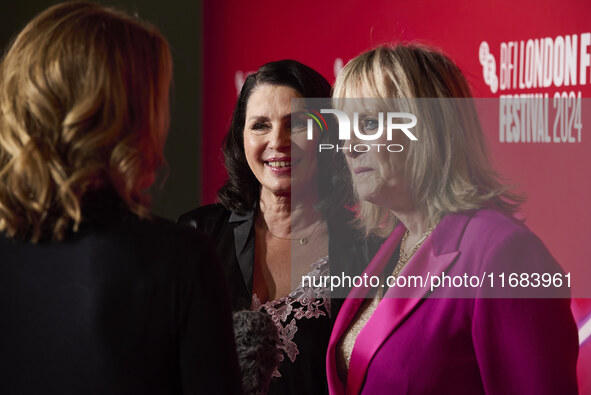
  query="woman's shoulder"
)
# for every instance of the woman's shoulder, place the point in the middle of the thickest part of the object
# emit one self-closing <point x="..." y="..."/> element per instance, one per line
<point x="121" y="238"/>
<point x="490" y="222"/>
<point x="500" y="226"/>
<point x="201" y="217"/>
<point x="508" y="241"/>
<point x="489" y="232"/>
<point x="491" y="242"/>
<point x="154" y="233"/>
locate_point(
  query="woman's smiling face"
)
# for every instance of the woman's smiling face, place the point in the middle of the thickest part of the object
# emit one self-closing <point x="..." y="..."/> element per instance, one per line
<point x="281" y="158"/>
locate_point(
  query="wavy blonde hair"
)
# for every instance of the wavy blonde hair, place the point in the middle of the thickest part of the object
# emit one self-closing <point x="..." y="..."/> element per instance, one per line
<point x="448" y="169"/>
<point x="83" y="107"/>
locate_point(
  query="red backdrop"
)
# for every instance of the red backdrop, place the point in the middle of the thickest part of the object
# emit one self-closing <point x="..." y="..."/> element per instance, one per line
<point x="240" y="36"/>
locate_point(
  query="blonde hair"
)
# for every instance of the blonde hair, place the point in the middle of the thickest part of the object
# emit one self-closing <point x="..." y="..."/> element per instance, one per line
<point x="448" y="169"/>
<point x="83" y="107"/>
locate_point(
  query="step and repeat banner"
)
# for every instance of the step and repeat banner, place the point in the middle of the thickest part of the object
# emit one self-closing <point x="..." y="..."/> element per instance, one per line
<point x="533" y="57"/>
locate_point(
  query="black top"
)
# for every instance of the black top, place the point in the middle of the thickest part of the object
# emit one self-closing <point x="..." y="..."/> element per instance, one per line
<point x="304" y="327"/>
<point x="124" y="306"/>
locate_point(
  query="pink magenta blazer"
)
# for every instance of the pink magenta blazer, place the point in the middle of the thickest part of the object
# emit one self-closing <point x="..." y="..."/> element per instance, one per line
<point x="469" y="345"/>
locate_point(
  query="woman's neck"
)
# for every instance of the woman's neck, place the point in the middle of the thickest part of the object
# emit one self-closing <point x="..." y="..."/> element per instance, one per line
<point x="283" y="216"/>
<point x="416" y="223"/>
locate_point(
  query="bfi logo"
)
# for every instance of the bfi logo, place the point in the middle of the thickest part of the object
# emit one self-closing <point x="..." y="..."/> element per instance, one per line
<point x="371" y="133"/>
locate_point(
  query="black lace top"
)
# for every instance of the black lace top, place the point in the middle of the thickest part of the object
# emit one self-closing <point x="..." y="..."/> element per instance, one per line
<point x="303" y="321"/>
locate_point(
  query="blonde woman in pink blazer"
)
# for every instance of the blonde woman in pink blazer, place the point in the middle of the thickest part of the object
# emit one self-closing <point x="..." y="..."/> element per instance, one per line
<point x="444" y="212"/>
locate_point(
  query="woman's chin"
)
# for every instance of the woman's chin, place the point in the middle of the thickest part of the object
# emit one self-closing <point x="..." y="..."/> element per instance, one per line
<point x="279" y="190"/>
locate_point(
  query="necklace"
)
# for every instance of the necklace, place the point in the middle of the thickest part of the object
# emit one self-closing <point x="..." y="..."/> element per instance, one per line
<point x="406" y="255"/>
<point x="302" y="240"/>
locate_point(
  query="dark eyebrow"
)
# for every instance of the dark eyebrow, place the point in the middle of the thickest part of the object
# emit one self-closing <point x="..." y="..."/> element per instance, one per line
<point x="258" y="118"/>
<point x="296" y="114"/>
<point x="264" y="118"/>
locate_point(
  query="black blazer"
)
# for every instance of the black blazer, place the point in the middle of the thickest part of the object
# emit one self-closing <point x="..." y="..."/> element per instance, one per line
<point x="234" y="234"/>
<point x="124" y="306"/>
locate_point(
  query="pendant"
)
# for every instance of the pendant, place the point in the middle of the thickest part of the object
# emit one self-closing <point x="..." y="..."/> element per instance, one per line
<point x="303" y="241"/>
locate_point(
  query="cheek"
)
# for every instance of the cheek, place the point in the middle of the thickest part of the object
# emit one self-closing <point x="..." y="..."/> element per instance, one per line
<point x="251" y="149"/>
<point x="384" y="166"/>
<point x="391" y="164"/>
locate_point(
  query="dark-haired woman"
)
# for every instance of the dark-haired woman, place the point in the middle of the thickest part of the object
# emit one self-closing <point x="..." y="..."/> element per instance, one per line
<point x="273" y="223"/>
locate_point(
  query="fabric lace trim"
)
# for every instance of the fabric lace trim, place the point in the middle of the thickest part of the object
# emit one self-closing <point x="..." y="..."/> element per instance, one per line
<point x="313" y="303"/>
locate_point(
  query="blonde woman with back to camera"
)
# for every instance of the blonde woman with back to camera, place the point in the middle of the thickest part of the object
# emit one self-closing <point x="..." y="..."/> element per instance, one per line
<point x="98" y="296"/>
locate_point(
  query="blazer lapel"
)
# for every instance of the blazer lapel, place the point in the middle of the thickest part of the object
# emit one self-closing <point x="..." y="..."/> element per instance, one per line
<point x="244" y="244"/>
<point x="352" y="304"/>
<point x="434" y="257"/>
<point x="398" y="303"/>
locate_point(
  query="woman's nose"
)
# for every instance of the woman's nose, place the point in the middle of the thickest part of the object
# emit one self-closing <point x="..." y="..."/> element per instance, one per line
<point x="349" y="150"/>
<point x="280" y="138"/>
<point x="348" y="147"/>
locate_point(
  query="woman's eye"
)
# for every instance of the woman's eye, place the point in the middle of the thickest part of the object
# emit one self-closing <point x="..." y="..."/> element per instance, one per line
<point x="298" y="124"/>
<point x="370" y="124"/>
<point x="259" y="127"/>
